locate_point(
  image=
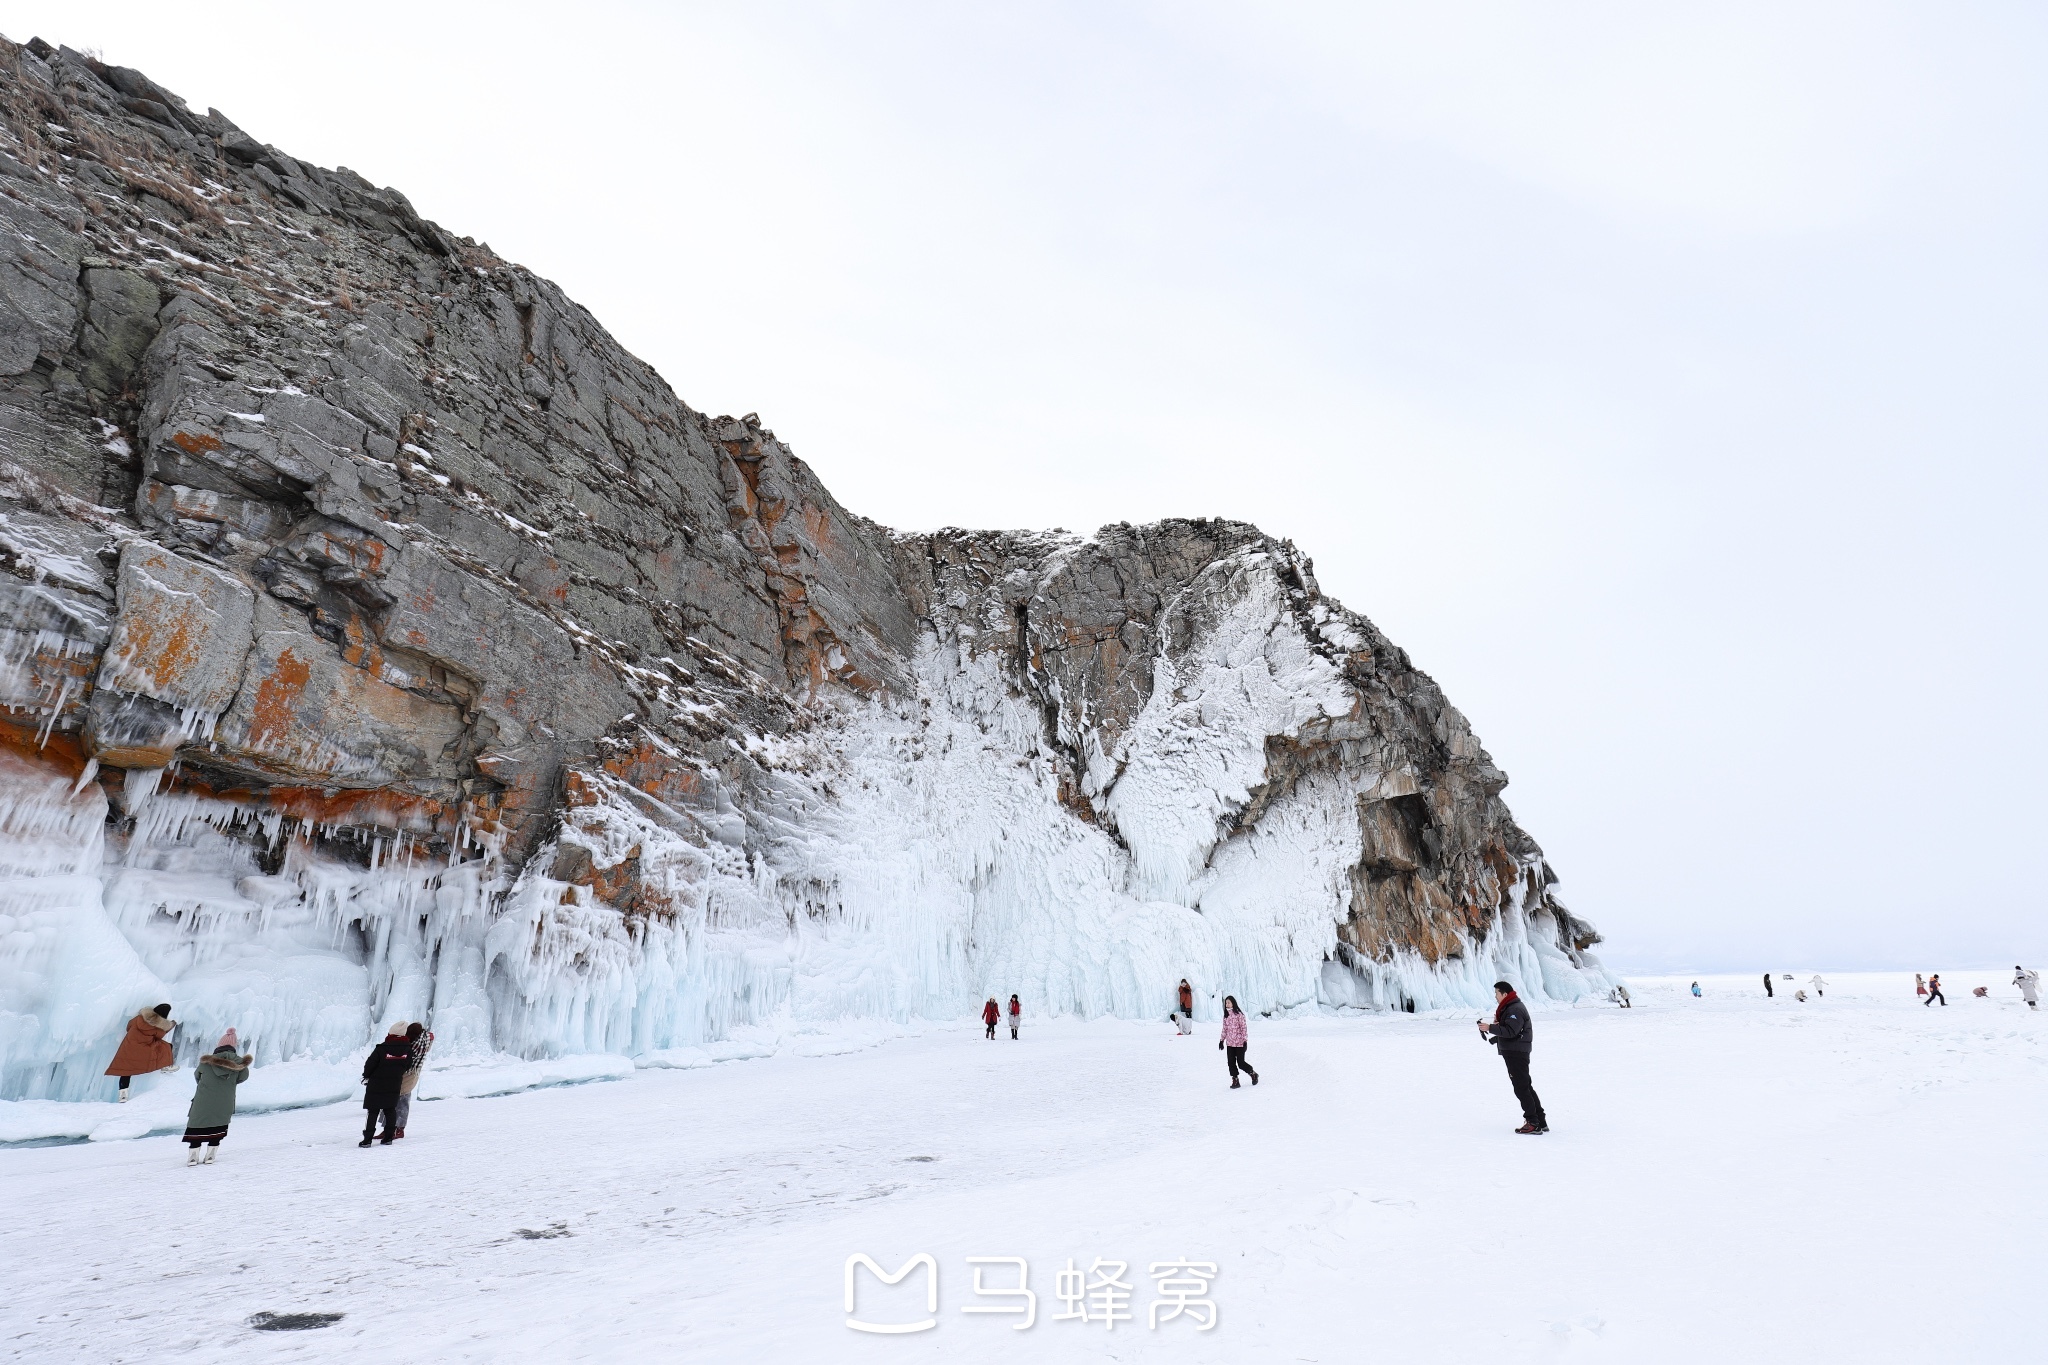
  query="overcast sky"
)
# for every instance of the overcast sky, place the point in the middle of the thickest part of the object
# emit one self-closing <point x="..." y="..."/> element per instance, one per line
<point x="1668" y="380"/>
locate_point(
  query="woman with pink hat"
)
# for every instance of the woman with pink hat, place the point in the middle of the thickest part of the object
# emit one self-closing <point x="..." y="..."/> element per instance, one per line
<point x="213" y="1103"/>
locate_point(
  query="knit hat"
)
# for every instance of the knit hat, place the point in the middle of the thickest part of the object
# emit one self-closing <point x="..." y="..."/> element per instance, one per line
<point x="227" y="1039"/>
<point x="163" y="1011"/>
<point x="397" y="1030"/>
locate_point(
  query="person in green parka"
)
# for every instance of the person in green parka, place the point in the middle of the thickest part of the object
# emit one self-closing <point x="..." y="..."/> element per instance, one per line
<point x="213" y="1104"/>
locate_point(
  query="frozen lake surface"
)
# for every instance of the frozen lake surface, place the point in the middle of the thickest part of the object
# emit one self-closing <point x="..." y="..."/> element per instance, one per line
<point x="1729" y="1178"/>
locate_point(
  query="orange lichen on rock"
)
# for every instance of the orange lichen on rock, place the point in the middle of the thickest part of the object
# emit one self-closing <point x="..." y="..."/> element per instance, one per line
<point x="276" y="696"/>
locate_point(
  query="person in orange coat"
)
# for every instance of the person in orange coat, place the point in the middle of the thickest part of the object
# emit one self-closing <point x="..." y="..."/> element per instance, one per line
<point x="143" y="1050"/>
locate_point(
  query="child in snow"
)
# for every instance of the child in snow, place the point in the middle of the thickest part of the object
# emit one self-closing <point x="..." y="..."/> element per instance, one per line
<point x="1016" y="1017"/>
<point x="2030" y="986"/>
<point x="1185" y="1020"/>
<point x="383" y="1072"/>
<point x="213" y="1103"/>
<point x="422" y="1043"/>
<point x="1934" y="991"/>
<point x="1234" y="1042"/>
<point x="143" y="1049"/>
<point x="989" y="1015"/>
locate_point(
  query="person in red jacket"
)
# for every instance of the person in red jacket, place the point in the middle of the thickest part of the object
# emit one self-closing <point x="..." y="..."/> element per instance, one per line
<point x="1016" y="1017"/>
<point x="143" y="1049"/>
<point x="1185" y="1023"/>
<point x="989" y="1015"/>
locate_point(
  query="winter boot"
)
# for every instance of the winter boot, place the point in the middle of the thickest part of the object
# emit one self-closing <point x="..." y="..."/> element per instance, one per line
<point x="1531" y="1128"/>
<point x="211" y="1153"/>
<point x="1255" y="1076"/>
<point x="124" y="1096"/>
<point x="1235" y="1086"/>
<point x="192" y="1156"/>
<point x="364" y="1143"/>
<point x="400" y="1133"/>
<point x="386" y="1139"/>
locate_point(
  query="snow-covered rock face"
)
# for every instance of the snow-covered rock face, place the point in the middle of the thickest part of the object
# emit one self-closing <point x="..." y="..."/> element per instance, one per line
<point x="379" y="641"/>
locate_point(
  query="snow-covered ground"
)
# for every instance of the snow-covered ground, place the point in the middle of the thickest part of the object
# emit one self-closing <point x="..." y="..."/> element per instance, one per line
<point x="1729" y="1178"/>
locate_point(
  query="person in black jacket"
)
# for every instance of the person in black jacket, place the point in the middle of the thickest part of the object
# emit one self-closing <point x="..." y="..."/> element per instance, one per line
<point x="1514" y="1034"/>
<point x="383" y="1071"/>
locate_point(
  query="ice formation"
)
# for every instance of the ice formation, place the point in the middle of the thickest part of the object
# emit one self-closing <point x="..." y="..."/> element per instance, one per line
<point x="912" y="857"/>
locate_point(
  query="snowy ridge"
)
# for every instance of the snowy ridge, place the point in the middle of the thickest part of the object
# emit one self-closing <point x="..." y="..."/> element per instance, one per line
<point x="909" y="857"/>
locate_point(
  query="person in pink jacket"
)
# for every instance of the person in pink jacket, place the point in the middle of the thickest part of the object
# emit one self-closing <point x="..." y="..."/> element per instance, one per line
<point x="1234" y="1042"/>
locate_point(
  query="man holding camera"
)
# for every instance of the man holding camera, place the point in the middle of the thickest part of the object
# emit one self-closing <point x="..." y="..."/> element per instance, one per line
<point x="1512" y="1032"/>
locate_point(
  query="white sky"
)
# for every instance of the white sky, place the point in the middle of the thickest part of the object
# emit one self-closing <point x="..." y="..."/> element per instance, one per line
<point x="1668" y="380"/>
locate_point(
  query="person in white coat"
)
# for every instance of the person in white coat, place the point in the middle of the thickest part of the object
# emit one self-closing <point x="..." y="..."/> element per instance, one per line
<point x="2030" y="986"/>
<point x="1819" y="986"/>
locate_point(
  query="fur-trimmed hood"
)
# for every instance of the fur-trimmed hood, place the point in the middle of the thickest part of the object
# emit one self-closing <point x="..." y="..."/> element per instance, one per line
<point x="229" y="1062"/>
<point x="156" y="1021"/>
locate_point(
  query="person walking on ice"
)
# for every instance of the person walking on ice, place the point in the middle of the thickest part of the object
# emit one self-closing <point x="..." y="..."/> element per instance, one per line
<point x="989" y="1015"/>
<point x="1234" y="1041"/>
<point x="1819" y="986"/>
<point x="213" y="1103"/>
<point x="1768" y="992"/>
<point x="1934" y="991"/>
<point x="1919" y="984"/>
<point x="2030" y="986"/>
<point x="143" y="1048"/>
<point x="1016" y="1017"/>
<point x="1185" y="1021"/>
<point x="383" y="1073"/>
<point x="1514" y="1034"/>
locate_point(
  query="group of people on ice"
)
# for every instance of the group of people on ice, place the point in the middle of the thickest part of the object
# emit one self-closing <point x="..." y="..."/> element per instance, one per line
<point x="1818" y="985"/>
<point x="390" y="1074"/>
<point x="992" y="1015"/>
<point x="2029" y="982"/>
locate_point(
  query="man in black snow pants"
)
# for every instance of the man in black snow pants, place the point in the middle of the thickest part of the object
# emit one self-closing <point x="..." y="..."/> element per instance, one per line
<point x="1512" y="1032"/>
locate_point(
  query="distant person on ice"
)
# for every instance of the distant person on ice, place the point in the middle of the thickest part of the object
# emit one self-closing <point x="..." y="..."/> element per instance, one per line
<point x="1934" y="991"/>
<point x="1695" y="988"/>
<point x="1234" y="1042"/>
<point x="989" y="1015"/>
<point x="1016" y="1017"/>
<point x="1919" y="984"/>
<point x="1514" y="1034"/>
<point x="143" y="1049"/>
<point x="1186" y="1020"/>
<point x="2030" y="986"/>
<point x="1768" y="992"/>
<point x="1819" y="986"/>
<point x="383" y="1073"/>
<point x="213" y="1103"/>
<point x="422" y="1043"/>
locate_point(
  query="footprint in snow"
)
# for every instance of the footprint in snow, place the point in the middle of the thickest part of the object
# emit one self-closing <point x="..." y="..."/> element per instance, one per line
<point x="542" y="1234"/>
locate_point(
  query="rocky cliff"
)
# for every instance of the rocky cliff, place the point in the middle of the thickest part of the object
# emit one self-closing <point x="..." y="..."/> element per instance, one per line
<point x="379" y="638"/>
